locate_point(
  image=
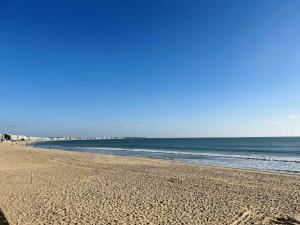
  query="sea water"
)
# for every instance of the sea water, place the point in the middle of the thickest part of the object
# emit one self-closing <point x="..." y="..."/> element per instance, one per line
<point x="271" y="154"/>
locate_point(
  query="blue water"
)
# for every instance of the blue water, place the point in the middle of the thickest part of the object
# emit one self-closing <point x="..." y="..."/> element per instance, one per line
<point x="271" y="154"/>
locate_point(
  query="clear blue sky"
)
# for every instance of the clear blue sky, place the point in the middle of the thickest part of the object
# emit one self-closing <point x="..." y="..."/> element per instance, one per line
<point x="150" y="68"/>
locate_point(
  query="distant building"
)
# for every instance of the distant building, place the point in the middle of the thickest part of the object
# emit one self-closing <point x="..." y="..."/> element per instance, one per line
<point x="58" y="138"/>
<point x="5" y="137"/>
<point x="19" y="138"/>
<point x="13" y="137"/>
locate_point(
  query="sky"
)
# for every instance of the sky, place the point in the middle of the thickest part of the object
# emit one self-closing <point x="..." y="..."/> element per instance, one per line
<point x="152" y="68"/>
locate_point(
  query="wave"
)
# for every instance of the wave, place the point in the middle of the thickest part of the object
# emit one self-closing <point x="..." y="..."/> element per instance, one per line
<point x="212" y="155"/>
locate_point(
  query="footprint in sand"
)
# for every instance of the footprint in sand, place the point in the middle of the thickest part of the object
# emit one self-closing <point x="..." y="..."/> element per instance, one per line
<point x="244" y="217"/>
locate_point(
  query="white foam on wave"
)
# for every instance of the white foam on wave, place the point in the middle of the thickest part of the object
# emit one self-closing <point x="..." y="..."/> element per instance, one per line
<point x="206" y="154"/>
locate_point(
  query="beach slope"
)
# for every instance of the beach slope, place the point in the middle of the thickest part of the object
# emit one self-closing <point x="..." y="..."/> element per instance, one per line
<point x="39" y="186"/>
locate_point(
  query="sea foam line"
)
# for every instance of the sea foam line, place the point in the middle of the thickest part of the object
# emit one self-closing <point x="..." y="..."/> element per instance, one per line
<point x="262" y="158"/>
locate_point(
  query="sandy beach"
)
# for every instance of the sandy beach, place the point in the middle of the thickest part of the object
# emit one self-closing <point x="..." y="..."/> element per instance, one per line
<point x="39" y="186"/>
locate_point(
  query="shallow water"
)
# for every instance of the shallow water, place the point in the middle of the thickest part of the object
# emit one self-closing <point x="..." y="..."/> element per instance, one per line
<point x="271" y="154"/>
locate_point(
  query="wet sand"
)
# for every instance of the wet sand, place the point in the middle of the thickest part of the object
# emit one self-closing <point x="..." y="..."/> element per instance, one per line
<point x="39" y="186"/>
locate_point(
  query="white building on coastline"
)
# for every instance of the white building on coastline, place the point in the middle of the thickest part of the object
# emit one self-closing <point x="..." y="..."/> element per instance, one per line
<point x="19" y="137"/>
<point x="14" y="137"/>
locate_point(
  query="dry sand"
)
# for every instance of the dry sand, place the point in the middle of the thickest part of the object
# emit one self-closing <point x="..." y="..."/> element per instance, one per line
<point x="39" y="186"/>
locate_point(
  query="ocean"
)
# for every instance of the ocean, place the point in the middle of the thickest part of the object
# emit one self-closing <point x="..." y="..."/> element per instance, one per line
<point x="280" y="154"/>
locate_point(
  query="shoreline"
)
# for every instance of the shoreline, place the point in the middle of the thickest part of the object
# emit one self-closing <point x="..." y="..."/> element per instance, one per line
<point x="44" y="186"/>
<point x="175" y="161"/>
